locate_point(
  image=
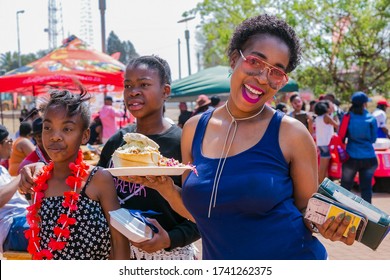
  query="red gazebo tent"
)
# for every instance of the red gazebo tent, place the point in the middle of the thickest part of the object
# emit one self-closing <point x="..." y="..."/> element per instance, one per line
<point x="69" y="66"/>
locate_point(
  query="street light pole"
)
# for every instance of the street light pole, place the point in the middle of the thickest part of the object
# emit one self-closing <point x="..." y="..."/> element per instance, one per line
<point x="102" y="8"/>
<point x="17" y="27"/>
<point x="178" y="51"/>
<point x="187" y="36"/>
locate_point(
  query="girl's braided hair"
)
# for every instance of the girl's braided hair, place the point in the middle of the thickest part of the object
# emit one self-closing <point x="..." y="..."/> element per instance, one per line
<point x="154" y="62"/>
<point x="73" y="103"/>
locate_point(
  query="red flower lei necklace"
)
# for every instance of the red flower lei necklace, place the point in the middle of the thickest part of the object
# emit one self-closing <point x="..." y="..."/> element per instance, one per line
<point x="79" y="170"/>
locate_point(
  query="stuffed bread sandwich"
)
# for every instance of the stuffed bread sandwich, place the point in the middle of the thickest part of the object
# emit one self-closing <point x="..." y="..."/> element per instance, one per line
<point x="139" y="150"/>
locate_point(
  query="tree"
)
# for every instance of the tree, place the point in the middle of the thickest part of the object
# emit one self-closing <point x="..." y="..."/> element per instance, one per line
<point x="218" y="20"/>
<point x="126" y="49"/>
<point x="9" y="60"/>
<point x="129" y="51"/>
<point x="345" y="42"/>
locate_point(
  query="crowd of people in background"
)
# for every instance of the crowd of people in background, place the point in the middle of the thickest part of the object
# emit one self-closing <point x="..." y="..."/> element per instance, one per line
<point x="202" y="104"/>
<point x="323" y="118"/>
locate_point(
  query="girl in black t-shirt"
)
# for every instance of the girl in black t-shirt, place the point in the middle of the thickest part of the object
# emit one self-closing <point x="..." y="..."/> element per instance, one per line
<point x="146" y="88"/>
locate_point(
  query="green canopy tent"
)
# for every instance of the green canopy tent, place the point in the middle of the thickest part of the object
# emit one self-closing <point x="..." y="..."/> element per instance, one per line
<point x="210" y="81"/>
<point x="291" y="86"/>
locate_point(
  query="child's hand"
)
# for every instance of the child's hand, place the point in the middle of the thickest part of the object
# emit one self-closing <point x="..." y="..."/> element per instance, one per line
<point x="159" y="240"/>
<point x="27" y="175"/>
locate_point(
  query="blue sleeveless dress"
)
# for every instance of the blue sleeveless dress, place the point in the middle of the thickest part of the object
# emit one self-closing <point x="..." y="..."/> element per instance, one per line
<point x="255" y="216"/>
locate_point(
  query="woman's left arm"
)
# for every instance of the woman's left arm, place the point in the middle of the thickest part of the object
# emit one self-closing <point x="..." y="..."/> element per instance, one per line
<point x="300" y="151"/>
<point x="329" y="120"/>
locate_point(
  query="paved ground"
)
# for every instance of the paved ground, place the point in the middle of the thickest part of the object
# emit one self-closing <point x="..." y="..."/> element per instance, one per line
<point x="358" y="251"/>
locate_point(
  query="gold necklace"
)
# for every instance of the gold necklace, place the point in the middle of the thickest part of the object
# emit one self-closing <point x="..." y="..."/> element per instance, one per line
<point x="223" y="157"/>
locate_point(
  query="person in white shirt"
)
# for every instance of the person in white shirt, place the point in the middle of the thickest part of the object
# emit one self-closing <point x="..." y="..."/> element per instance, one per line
<point x="13" y="205"/>
<point x="325" y="127"/>
<point x="381" y="118"/>
<point x="337" y="111"/>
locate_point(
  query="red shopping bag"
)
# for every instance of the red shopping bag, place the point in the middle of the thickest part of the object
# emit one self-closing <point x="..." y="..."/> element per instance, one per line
<point x="334" y="169"/>
<point x="338" y="155"/>
<point x="337" y="149"/>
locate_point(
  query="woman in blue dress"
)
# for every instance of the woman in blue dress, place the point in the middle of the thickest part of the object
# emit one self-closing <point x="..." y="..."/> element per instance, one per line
<point x="256" y="168"/>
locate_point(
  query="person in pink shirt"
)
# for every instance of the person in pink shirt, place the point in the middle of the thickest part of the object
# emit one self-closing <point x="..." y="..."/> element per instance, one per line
<point x="107" y="116"/>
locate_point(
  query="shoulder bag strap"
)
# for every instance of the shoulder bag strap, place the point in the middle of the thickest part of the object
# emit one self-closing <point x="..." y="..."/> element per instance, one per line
<point x="344" y="127"/>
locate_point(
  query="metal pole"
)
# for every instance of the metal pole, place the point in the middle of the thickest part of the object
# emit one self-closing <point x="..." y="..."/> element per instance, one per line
<point x="17" y="30"/>
<point x="198" y="60"/>
<point x="102" y="7"/>
<point x="178" y="50"/>
<point x="1" y="108"/>
<point x="187" y="35"/>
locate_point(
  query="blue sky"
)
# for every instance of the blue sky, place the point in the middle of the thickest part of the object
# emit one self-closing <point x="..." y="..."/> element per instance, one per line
<point x="151" y="25"/>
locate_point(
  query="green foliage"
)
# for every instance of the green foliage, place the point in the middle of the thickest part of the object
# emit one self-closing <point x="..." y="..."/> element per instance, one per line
<point x="349" y="38"/>
<point x="345" y="42"/>
<point x="218" y="20"/>
<point x="126" y="49"/>
<point x="9" y="60"/>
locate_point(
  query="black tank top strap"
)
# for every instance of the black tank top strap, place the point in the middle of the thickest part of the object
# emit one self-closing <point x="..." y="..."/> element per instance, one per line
<point x="93" y="171"/>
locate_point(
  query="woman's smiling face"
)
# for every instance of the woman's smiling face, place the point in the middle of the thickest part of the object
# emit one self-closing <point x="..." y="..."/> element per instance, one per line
<point x="254" y="89"/>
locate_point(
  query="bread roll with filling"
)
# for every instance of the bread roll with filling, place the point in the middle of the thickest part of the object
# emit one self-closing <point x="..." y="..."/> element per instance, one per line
<point x="139" y="150"/>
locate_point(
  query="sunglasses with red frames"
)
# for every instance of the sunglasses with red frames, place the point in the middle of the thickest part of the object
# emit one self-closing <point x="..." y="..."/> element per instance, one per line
<point x="276" y="77"/>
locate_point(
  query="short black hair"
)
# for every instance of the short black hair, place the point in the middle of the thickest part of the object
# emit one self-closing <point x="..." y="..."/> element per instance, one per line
<point x="3" y="132"/>
<point x="25" y="129"/>
<point x="215" y="100"/>
<point x="321" y="108"/>
<point x="154" y="62"/>
<point x="271" y="25"/>
<point x="108" y="98"/>
<point x="331" y="96"/>
<point x="73" y="103"/>
<point x="280" y="106"/>
<point x="293" y="96"/>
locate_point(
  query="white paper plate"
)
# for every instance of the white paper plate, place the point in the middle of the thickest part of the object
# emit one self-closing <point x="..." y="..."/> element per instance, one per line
<point x="148" y="170"/>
